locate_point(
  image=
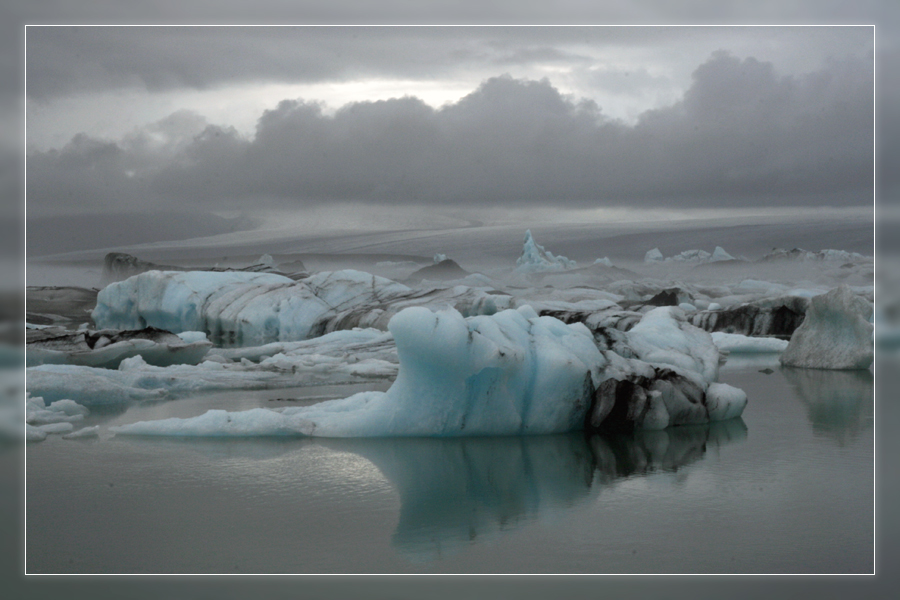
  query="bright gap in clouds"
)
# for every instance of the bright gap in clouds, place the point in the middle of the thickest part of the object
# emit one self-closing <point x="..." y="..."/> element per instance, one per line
<point x="112" y="115"/>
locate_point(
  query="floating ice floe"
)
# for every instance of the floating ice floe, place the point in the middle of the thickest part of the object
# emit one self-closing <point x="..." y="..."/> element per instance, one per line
<point x="107" y="348"/>
<point x="90" y="386"/>
<point x="355" y="356"/>
<point x="535" y="259"/>
<point x="37" y="413"/>
<point x="59" y="417"/>
<point x="836" y="333"/>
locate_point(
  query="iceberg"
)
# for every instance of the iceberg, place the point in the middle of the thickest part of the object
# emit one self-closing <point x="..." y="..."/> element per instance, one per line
<point x="87" y="386"/>
<point x="238" y="308"/>
<point x="653" y="256"/>
<point x="536" y="259"/>
<point x="355" y="356"/>
<point x="694" y="256"/>
<point x="510" y="373"/>
<point x="720" y="255"/>
<point x="61" y="411"/>
<point x="836" y="333"/>
<point x="252" y="309"/>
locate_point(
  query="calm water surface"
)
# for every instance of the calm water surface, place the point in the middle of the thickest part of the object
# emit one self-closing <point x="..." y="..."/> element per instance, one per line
<point x="788" y="488"/>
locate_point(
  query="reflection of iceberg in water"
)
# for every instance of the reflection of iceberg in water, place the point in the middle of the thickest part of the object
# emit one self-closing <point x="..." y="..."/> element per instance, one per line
<point x="454" y="491"/>
<point x="459" y="491"/>
<point x="645" y="452"/>
<point x="839" y="403"/>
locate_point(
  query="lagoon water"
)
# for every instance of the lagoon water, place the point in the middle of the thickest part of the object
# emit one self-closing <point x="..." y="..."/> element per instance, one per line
<point x="787" y="488"/>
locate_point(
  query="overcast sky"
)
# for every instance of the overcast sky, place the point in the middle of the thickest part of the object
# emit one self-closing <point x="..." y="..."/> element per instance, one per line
<point x="138" y="118"/>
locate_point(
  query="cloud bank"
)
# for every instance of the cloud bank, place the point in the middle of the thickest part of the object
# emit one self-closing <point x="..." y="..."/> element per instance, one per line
<point x="742" y="135"/>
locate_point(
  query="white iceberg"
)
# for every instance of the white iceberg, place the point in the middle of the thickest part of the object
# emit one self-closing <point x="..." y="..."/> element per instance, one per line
<point x="836" y="333"/>
<point x="536" y="259"/>
<point x="510" y="373"/>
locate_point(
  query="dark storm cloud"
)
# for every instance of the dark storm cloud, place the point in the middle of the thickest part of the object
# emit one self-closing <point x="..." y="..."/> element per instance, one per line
<point x="742" y="135"/>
